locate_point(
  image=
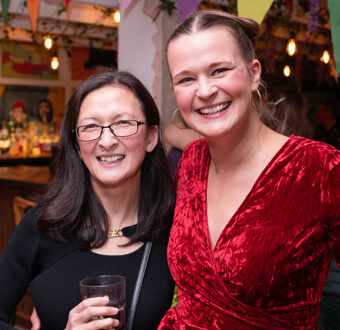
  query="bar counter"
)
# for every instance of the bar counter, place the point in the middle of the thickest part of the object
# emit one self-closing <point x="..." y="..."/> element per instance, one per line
<point x="43" y="159"/>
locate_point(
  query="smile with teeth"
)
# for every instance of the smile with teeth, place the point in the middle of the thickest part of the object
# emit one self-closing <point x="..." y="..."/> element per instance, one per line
<point x="213" y="110"/>
<point x="111" y="160"/>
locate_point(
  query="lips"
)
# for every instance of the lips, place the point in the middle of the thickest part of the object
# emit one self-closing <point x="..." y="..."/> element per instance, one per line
<point x="214" y="110"/>
<point x="110" y="160"/>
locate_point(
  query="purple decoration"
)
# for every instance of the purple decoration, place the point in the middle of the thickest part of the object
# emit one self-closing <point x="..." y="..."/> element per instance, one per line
<point x="314" y="6"/>
<point x="186" y="7"/>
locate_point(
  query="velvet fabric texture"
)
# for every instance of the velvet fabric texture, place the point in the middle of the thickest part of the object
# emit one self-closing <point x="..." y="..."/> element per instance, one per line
<point x="272" y="259"/>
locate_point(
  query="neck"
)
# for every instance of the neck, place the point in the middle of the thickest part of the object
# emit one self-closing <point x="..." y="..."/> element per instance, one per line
<point x="121" y="205"/>
<point x="236" y="149"/>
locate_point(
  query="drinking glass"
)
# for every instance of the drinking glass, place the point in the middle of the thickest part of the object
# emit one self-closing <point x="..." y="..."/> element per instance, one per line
<point x="112" y="286"/>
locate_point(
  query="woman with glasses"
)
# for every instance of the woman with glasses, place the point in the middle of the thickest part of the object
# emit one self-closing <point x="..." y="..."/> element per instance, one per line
<point x="110" y="197"/>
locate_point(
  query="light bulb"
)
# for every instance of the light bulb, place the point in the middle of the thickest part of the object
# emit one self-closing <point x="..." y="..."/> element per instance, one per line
<point x="291" y="47"/>
<point x="325" y="57"/>
<point x="48" y="42"/>
<point x="116" y="16"/>
<point x="286" y="71"/>
<point x="54" y="63"/>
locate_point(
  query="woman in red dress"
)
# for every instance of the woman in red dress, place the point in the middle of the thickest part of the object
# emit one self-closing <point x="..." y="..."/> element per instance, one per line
<point x="257" y="217"/>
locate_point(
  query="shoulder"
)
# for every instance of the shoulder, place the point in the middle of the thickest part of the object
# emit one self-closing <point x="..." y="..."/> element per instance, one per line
<point x="311" y="149"/>
<point x="196" y="152"/>
<point x="29" y="221"/>
<point x="195" y="159"/>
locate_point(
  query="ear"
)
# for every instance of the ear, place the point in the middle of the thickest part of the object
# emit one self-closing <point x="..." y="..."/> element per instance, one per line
<point x="255" y="69"/>
<point x="152" y="138"/>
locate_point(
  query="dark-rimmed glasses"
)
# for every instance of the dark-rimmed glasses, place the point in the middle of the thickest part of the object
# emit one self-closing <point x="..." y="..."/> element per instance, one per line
<point x="121" y="128"/>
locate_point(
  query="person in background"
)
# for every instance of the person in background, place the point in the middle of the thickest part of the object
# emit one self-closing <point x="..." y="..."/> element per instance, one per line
<point x="257" y="216"/>
<point x="110" y="197"/>
<point x="45" y="111"/>
<point x="328" y="131"/>
<point x="290" y="113"/>
<point x="44" y="128"/>
<point x="178" y="136"/>
<point x="328" y="128"/>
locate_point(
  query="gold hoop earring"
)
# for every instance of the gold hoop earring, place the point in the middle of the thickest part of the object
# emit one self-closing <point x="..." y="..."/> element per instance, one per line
<point x="260" y="100"/>
<point x="181" y="124"/>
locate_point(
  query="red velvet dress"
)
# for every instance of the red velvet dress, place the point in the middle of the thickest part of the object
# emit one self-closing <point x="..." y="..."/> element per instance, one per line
<point x="271" y="260"/>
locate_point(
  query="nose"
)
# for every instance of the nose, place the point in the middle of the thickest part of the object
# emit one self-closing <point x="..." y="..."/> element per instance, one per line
<point x="107" y="139"/>
<point x="206" y="88"/>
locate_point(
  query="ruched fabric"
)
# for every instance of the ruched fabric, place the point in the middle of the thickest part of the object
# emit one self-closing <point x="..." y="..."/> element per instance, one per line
<point x="272" y="259"/>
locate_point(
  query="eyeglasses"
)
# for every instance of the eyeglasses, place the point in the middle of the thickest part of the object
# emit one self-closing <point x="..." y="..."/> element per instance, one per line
<point x="121" y="128"/>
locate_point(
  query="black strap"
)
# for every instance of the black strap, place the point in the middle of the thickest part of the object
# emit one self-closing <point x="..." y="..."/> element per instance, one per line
<point x="138" y="285"/>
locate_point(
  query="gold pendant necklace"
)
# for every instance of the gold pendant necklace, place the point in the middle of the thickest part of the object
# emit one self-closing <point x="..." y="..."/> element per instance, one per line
<point x="115" y="233"/>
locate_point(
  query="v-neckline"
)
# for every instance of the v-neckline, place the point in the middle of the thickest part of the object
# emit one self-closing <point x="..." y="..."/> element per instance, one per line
<point x="232" y="218"/>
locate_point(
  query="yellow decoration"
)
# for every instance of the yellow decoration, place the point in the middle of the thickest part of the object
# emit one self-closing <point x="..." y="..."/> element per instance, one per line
<point x="256" y="10"/>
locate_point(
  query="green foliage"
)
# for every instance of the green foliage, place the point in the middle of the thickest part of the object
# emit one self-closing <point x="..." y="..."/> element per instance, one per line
<point x="166" y="5"/>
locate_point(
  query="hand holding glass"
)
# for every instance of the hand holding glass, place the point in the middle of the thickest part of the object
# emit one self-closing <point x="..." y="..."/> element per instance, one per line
<point x="112" y="286"/>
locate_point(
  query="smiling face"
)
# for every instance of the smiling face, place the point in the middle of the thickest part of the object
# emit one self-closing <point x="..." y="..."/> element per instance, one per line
<point x="211" y="81"/>
<point x="114" y="161"/>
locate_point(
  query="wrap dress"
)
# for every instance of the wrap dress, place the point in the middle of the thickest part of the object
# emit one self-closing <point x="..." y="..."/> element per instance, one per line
<point x="272" y="259"/>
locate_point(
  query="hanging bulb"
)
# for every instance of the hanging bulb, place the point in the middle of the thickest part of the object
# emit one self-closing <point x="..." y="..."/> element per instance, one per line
<point x="48" y="43"/>
<point x="286" y="71"/>
<point x="325" y="57"/>
<point x="116" y="16"/>
<point x="291" y="47"/>
<point x="55" y="62"/>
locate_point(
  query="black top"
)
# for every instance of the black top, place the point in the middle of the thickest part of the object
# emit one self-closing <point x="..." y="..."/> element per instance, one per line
<point x="55" y="270"/>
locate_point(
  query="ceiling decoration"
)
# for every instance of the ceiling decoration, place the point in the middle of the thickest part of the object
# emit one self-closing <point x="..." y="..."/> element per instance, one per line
<point x="76" y="22"/>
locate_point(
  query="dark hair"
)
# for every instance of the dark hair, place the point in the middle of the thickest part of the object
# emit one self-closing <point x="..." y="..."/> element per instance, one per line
<point x="290" y="112"/>
<point x="245" y="32"/>
<point x="71" y="205"/>
<point x="50" y="114"/>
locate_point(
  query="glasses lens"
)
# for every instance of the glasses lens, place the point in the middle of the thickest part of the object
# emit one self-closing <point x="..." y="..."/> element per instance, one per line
<point x="125" y="127"/>
<point x="89" y="132"/>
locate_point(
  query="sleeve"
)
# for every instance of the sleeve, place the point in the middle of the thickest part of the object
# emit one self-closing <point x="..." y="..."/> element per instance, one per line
<point x="332" y="188"/>
<point x="17" y="266"/>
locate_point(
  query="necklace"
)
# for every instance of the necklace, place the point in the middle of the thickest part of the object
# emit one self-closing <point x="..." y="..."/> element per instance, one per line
<point x="115" y="233"/>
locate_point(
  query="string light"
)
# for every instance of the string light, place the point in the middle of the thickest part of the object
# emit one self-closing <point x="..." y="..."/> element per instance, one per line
<point x="286" y="71"/>
<point x="116" y="16"/>
<point x="325" y="57"/>
<point x="291" y="47"/>
<point x="55" y="62"/>
<point x="48" y="43"/>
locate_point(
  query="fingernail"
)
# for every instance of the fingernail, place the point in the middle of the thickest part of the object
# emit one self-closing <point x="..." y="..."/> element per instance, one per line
<point x="105" y="299"/>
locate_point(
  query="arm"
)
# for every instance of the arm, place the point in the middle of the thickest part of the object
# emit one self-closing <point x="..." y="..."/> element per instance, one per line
<point x="180" y="138"/>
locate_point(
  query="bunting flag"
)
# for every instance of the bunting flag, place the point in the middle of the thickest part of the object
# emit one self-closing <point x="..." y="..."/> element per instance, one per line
<point x="334" y="14"/>
<point x="126" y="4"/>
<point x="4" y="7"/>
<point x="186" y="7"/>
<point x="254" y="9"/>
<point x="33" y="8"/>
<point x="66" y="3"/>
<point x="150" y="8"/>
